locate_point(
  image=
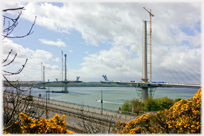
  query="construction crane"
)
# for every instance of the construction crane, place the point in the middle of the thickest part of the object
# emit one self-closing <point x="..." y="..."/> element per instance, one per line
<point x="150" y="34"/>
<point x="105" y="77"/>
<point x="77" y="79"/>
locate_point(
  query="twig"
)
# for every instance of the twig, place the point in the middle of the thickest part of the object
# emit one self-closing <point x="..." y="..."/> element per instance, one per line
<point x="29" y="33"/>
<point x="7" y="57"/>
<point x="17" y="87"/>
<point x="10" y="61"/>
<point x="20" y="8"/>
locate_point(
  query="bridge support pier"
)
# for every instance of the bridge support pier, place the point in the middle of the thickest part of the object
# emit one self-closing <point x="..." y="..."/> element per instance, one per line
<point x="65" y="87"/>
<point x="144" y="93"/>
<point x="65" y="63"/>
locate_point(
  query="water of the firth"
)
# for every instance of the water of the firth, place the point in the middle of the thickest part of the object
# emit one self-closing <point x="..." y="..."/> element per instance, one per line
<point x="113" y="97"/>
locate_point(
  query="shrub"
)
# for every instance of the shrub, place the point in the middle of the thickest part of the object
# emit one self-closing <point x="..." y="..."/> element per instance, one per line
<point x="183" y="117"/>
<point x="126" y="106"/>
<point x="42" y="126"/>
<point x="158" y="104"/>
<point x="137" y="109"/>
<point x="5" y="132"/>
<point x="165" y="103"/>
<point x="135" y="103"/>
<point x="151" y="104"/>
<point x="177" y="99"/>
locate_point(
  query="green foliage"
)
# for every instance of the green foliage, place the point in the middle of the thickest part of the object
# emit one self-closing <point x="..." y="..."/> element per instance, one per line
<point x="151" y="104"/>
<point x="177" y="99"/>
<point x="135" y="103"/>
<point x="165" y="103"/>
<point x="126" y="106"/>
<point x="158" y="104"/>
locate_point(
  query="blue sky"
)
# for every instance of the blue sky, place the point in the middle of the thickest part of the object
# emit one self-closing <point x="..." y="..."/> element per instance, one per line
<point x="106" y="38"/>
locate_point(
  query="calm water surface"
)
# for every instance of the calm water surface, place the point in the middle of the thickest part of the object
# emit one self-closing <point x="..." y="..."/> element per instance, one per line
<point x="113" y="97"/>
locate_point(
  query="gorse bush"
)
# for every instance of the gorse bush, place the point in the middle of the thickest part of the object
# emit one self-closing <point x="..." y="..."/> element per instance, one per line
<point x="55" y="125"/>
<point x="177" y="99"/>
<point x="183" y="117"/>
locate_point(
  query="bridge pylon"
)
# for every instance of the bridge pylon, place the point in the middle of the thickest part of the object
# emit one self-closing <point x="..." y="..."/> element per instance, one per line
<point x="65" y="80"/>
<point x="43" y="82"/>
<point x="144" y="78"/>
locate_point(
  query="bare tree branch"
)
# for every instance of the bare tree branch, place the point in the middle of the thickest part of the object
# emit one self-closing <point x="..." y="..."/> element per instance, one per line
<point x="10" y="61"/>
<point x="20" y="8"/>
<point x="7" y="57"/>
<point x="29" y="33"/>
<point x="8" y="30"/>
<point x="17" y="72"/>
<point x="15" y="86"/>
<point x="5" y="128"/>
<point x="11" y="109"/>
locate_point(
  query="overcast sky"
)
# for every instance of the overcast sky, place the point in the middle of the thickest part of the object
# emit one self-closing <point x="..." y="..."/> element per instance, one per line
<point x="106" y="39"/>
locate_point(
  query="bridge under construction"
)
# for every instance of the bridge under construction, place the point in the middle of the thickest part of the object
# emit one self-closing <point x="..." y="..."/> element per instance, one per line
<point x="144" y="86"/>
<point x="65" y="82"/>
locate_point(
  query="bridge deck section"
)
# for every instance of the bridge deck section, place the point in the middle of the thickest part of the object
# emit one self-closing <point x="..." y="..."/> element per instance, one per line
<point x="141" y="84"/>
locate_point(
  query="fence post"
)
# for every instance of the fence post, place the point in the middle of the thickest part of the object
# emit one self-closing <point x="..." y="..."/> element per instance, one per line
<point x="101" y="102"/>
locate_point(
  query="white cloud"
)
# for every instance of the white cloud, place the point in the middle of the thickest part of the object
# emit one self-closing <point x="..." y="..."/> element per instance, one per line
<point x="33" y="66"/>
<point x="177" y="64"/>
<point x="98" y="22"/>
<point x="121" y="25"/>
<point x="58" y="43"/>
<point x="56" y="60"/>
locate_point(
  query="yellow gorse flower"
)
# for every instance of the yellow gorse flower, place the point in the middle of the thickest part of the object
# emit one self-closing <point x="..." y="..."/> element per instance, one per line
<point x="39" y="126"/>
<point x="182" y="117"/>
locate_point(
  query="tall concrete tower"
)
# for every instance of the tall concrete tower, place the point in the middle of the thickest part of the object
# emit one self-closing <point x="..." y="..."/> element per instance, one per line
<point x="65" y="80"/>
<point x="44" y="76"/>
<point x="144" y="89"/>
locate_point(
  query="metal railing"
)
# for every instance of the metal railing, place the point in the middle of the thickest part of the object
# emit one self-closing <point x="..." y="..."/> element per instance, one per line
<point x="126" y="115"/>
<point x="88" y="107"/>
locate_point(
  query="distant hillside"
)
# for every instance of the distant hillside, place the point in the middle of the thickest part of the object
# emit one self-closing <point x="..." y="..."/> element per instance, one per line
<point x="87" y="84"/>
<point x="83" y="84"/>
